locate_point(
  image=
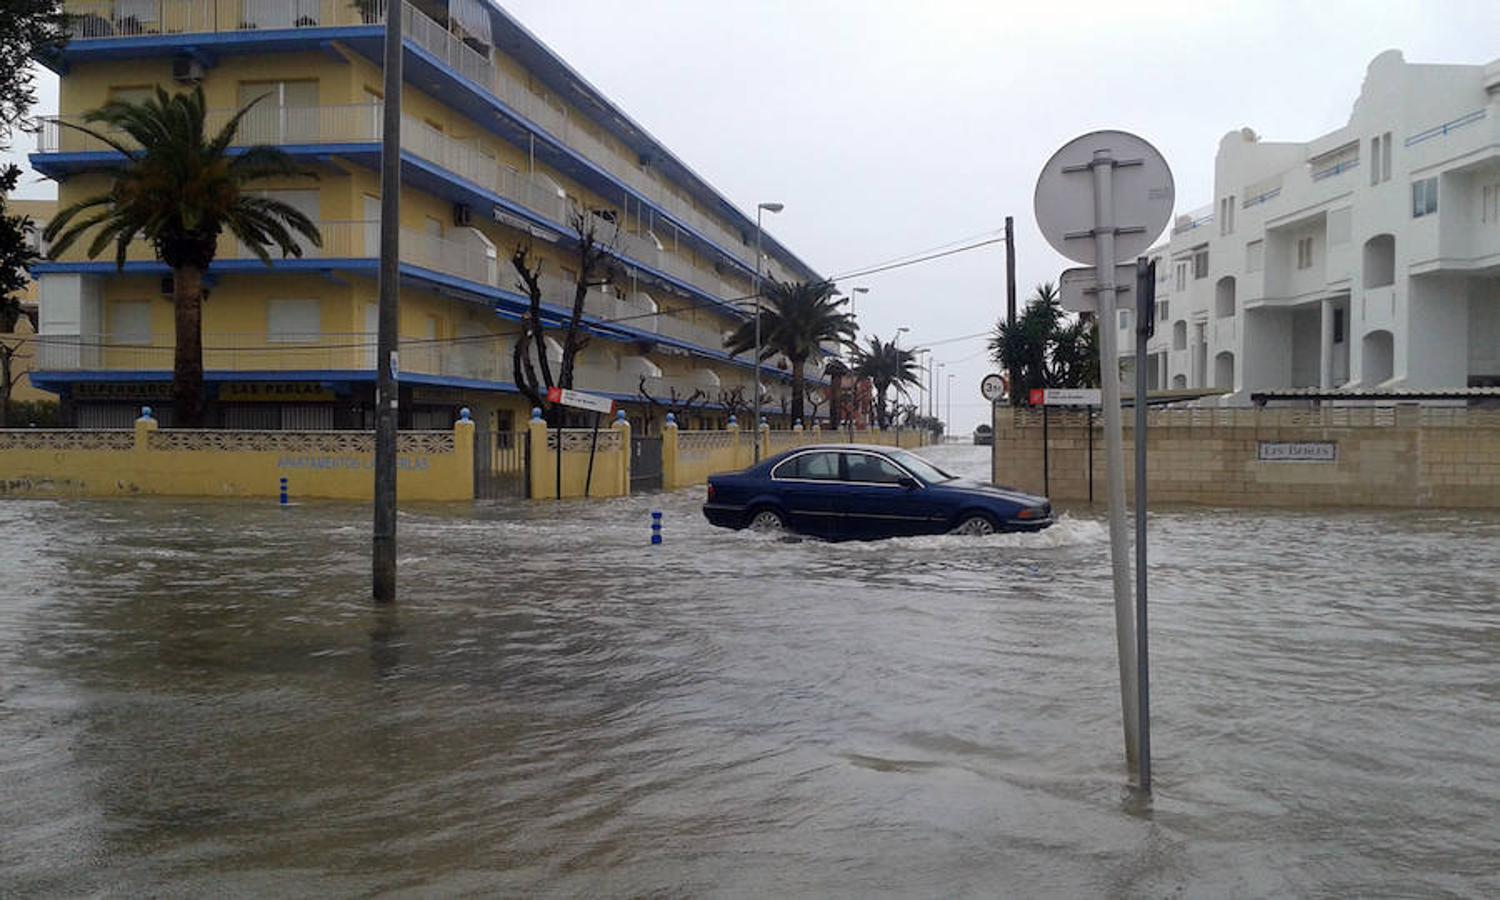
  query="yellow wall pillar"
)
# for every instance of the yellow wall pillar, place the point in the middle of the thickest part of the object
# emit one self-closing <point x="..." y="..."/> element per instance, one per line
<point x="143" y="428"/>
<point x="763" y="432"/>
<point x="669" y="472"/>
<point x="622" y="428"/>
<point x="543" y="482"/>
<point x="463" y="448"/>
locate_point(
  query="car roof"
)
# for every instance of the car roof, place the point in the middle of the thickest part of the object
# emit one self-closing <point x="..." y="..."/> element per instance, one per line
<point x="873" y="448"/>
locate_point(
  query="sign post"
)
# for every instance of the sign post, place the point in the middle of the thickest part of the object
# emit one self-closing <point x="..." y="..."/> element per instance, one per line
<point x="993" y="387"/>
<point x="579" y="400"/>
<point x="1145" y="327"/>
<point x="1101" y="199"/>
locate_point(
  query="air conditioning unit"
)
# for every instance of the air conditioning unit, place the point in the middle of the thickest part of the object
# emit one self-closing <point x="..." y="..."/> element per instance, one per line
<point x="186" y="70"/>
<point x="463" y="216"/>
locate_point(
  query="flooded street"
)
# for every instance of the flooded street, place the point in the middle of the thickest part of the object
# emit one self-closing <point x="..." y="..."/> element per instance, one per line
<point x="196" y="698"/>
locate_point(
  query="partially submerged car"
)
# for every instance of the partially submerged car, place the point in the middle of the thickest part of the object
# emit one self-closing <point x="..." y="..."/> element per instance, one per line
<point x="855" y="491"/>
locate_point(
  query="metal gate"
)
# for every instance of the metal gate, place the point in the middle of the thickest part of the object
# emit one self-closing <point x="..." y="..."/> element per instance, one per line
<point x="502" y="464"/>
<point x="645" y="463"/>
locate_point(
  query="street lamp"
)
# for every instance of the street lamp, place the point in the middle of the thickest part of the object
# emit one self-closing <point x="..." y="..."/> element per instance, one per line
<point x="853" y="292"/>
<point x="755" y="289"/>
<point x="949" y="425"/>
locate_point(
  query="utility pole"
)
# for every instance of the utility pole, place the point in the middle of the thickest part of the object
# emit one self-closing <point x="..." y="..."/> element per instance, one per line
<point x="1010" y="287"/>
<point x="387" y="365"/>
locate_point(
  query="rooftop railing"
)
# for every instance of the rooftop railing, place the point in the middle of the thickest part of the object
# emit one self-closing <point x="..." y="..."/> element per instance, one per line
<point x="1447" y="127"/>
<point x="98" y="19"/>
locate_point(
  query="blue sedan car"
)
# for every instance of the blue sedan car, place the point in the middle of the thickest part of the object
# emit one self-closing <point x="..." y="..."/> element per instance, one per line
<point x="856" y="491"/>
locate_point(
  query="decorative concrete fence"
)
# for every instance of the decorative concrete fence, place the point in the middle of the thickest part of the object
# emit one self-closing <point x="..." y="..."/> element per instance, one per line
<point x="328" y="465"/>
<point x="609" y="474"/>
<point x="1405" y="456"/>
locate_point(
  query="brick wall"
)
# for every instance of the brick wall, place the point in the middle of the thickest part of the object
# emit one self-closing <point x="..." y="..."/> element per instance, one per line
<point x="1403" y="456"/>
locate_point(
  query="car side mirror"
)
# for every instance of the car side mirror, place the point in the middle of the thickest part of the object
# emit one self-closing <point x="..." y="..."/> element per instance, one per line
<point x="909" y="482"/>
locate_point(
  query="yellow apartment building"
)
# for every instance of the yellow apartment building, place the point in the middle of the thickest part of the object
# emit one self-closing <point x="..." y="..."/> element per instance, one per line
<point x="501" y="138"/>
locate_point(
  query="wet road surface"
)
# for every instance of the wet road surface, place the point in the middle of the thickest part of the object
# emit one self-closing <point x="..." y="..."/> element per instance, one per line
<point x="196" y="698"/>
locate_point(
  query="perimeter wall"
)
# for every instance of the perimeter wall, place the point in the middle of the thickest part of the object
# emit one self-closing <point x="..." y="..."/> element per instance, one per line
<point x="1407" y="456"/>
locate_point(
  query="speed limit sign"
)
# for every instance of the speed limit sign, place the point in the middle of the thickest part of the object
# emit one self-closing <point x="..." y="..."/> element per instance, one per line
<point x="992" y="387"/>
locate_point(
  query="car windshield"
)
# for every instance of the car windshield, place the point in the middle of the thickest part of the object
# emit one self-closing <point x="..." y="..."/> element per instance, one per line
<point x="920" y="467"/>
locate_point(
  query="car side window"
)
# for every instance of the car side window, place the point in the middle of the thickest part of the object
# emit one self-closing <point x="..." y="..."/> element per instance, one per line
<point x="811" y="466"/>
<point x="869" y="469"/>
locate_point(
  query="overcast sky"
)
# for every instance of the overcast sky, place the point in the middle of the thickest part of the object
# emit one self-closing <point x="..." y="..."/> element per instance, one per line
<point x="889" y="128"/>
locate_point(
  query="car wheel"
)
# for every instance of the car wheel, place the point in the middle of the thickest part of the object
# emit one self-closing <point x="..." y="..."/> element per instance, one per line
<point x="766" y="519"/>
<point x="976" y="524"/>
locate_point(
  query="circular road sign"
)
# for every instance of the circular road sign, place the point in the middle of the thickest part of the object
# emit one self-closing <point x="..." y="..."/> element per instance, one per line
<point x="1141" y="187"/>
<point x="992" y="387"/>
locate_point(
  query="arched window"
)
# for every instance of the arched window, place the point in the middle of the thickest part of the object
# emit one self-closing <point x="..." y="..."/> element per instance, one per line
<point x="1380" y="261"/>
<point x="1379" y="354"/>
<point x="1224" y="297"/>
<point x="1179" y="335"/>
<point x="1224" y="371"/>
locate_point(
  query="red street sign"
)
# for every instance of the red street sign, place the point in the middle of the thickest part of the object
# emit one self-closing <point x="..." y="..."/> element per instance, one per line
<point x="1037" y="396"/>
<point x="554" y="395"/>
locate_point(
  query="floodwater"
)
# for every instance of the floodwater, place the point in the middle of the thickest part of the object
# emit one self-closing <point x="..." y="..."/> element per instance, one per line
<point x="196" y="699"/>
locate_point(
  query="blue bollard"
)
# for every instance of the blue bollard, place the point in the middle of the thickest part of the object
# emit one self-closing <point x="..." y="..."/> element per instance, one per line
<point x="283" y="492"/>
<point x="655" y="527"/>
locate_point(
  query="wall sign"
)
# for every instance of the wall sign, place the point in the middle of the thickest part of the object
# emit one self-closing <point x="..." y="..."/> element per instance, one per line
<point x="1297" y="451"/>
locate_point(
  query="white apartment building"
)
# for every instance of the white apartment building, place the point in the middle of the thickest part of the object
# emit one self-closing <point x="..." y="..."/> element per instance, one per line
<point x="1366" y="258"/>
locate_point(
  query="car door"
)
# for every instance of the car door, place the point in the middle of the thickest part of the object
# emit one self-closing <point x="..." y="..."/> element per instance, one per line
<point x="808" y="484"/>
<point x="874" y="501"/>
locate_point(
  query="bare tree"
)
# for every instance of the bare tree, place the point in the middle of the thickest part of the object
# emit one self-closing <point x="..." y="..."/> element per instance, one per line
<point x="674" y="402"/>
<point x="734" y="402"/>
<point x="530" y="366"/>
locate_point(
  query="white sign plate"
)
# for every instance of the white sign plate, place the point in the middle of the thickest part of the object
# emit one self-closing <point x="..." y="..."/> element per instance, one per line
<point x="1071" y="397"/>
<point x="580" y="400"/>
<point x="1142" y="191"/>
<point x="992" y="388"/>
<point x="1297" y="451"/>
<point x="1075" y="289"/>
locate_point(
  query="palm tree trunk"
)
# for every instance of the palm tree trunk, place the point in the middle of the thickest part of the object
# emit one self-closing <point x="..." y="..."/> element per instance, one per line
<point x="187" y="363"/>
<point x="798" y="388"/>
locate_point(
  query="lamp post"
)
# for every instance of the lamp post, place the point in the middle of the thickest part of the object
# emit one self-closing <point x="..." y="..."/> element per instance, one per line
<point x="950" y="403"/>
<point x="755" y="289"/>
<point x="853" y="294"/>
<point x="937" y="387"/>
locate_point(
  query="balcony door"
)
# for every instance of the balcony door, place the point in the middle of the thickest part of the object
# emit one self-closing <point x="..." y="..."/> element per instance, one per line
<point x="286" y="112"/>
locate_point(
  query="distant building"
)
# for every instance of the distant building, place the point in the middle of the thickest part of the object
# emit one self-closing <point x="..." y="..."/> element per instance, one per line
<point x="1368" y="257"/>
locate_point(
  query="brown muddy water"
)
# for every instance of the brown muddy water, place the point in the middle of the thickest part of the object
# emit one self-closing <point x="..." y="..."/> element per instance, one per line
<point x="195" y="698"/>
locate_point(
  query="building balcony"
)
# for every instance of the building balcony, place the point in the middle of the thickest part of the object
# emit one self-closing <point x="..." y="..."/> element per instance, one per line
<point x="356" y="130"/>
<point x="105" y="27"/>
<point x="481" y="359"/>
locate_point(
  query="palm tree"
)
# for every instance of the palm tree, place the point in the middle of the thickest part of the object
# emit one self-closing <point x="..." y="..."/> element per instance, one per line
<point x="887" y="366"/>
<point x="180" y="191"/>
<point x="1046" y="348"/>
<point x="798" y="317"/>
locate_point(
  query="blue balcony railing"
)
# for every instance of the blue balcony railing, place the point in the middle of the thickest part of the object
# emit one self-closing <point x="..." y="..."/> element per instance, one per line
<point x="1335" y="169"/>
<point x="1443" y="129"/>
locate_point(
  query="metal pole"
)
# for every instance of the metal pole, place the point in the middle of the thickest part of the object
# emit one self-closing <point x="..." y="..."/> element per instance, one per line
<point x="588" y="480"/>
<point x="1010" y="282"/>
<point x="1046" y="445"/>
<point x="1091" y="455"/>
<point x="387" y="366"/>
<point x="1114" y="449"/>
<point x="1145" y="288"/>
<point x="950" y="405"/>
<point x="755" y="289"/>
